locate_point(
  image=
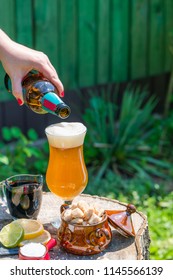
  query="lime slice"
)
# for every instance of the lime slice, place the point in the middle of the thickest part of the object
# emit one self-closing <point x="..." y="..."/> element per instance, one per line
<point x="11" y="235"/>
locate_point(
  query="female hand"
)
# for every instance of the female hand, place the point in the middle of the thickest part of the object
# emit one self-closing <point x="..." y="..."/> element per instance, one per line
<point x="18" y="60"/>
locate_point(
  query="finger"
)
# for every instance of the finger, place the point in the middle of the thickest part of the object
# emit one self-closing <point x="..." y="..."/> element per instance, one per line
<point x="58" y="84"/>
<point x="51" y="66"/>
<point x="17" y="90"/>
<point x="50" y="73"/>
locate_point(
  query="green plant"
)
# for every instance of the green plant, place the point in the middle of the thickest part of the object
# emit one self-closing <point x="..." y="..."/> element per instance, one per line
<point x="169" y="96"/>
<point x="167" y="132"/>
<point x="134" y="190"/>
<point x="159" y="212"/>
<point x="119" y="138"/>
<point x="20" y="153"/>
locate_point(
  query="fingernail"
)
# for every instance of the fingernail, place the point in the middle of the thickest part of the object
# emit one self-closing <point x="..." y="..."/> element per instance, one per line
<point x="62" y="94"/>
<point x="20" y="102"/>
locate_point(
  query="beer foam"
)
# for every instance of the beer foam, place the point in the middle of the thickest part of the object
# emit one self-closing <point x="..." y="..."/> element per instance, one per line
<point x="66" y="135"/>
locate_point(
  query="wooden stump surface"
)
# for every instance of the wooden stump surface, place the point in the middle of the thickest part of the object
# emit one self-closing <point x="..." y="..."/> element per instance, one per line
<point x="121" y="248"/>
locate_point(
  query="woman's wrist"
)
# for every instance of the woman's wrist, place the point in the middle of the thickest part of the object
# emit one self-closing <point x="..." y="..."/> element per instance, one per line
<point x="5" y="41"/>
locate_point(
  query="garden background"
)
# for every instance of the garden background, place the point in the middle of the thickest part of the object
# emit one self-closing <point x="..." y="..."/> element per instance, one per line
<point x="114" y="58"/>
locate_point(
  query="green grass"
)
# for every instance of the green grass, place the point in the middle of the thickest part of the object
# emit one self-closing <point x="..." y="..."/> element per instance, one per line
<point x="160" y="220"/>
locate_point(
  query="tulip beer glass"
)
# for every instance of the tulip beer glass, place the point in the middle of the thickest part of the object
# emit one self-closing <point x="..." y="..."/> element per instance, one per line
<point x="66" y="174"/>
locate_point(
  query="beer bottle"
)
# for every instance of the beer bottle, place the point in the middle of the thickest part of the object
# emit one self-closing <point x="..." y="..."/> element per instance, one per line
<point x="40" y="95"/>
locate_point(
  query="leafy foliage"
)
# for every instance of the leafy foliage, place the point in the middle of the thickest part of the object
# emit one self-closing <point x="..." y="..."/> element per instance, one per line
<point x="119" y="138"/>
<point x="20" y="153"/>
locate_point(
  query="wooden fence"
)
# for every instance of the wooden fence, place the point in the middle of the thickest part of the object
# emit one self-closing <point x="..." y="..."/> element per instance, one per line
<point x="92" y="42"/>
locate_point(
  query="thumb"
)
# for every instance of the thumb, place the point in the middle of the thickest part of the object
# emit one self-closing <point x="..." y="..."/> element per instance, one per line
<point x="17" y="90"/>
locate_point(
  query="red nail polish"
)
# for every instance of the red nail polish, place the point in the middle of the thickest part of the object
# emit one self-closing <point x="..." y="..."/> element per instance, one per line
<point x="20" y="102"/>
<point x="62" y="94"/>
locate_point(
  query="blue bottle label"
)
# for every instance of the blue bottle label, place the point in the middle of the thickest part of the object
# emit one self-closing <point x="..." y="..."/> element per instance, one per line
<point x="50" y="101"/>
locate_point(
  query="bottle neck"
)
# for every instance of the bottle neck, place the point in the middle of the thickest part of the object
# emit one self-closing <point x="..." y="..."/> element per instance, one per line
<point x="50" y="101"/>
<point x="54" y="105"/>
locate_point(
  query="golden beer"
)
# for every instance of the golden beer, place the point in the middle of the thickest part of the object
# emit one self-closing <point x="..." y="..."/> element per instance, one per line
<point x="66" y="174"/>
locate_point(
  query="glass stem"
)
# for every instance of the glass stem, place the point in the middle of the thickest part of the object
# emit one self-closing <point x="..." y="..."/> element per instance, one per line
<point x="68" y="202"/>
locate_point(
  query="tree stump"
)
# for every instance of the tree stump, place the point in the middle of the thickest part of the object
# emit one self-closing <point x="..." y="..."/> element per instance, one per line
<point x="121" y="248"/>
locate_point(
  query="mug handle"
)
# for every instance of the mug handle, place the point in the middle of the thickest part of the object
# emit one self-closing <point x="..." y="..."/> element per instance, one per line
<point x="2" y="192"/>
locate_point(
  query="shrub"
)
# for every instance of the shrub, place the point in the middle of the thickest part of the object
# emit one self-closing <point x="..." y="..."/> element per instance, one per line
<point x="21" y="154"/>
<point x="120" y="137"/>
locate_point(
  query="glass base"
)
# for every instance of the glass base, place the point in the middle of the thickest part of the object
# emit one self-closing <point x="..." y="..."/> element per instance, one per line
<point x="57" y="222"/>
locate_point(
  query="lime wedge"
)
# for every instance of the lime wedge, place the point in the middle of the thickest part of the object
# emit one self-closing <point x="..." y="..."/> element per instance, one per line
<point x="11" y="235"/>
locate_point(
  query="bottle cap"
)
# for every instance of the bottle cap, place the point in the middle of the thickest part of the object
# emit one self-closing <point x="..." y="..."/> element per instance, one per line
<point x="121" y="220"/>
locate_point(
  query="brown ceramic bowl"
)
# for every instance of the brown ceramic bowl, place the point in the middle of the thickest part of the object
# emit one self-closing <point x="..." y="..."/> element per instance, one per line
<point x="85" y="239"/>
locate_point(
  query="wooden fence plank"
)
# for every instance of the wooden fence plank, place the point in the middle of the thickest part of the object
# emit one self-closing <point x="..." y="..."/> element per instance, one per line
<point x="13" y="115"/>
<point x="103" y="41"/>
<point x="1" y="116"/>
<point x="24" y="22"/>
<point x="46" y="29"/>
<point x="24" y="35"/>
<point x="7" y="23"/>
<point x="7" y="17"/>
<point x="3" y="92"/>
<point x="168" y="7"/>
<point x="68" y="42"/>
<point x="156" y="40"/>
<point x="139" y="27"/>
<point x="119" y="40"/>
<point x="87" y="42"/>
